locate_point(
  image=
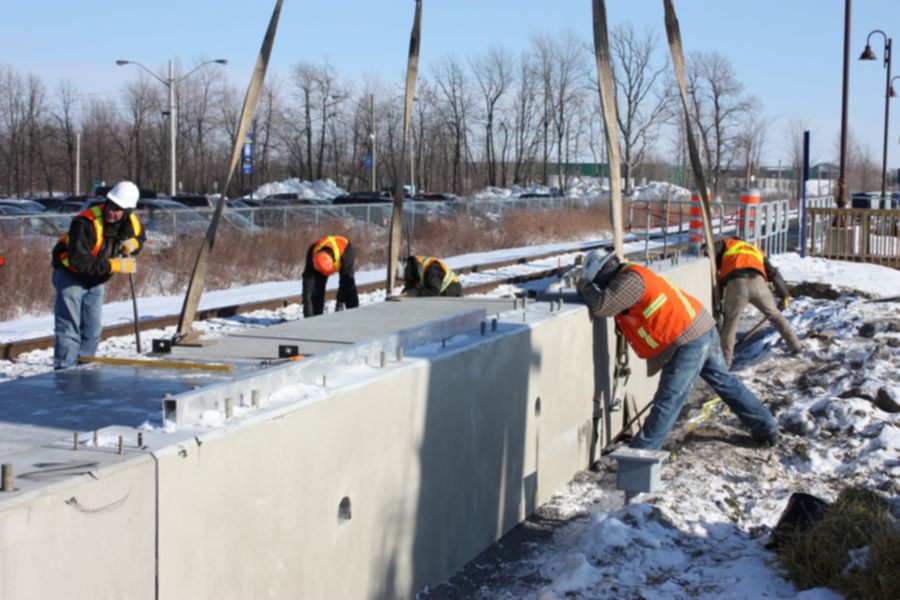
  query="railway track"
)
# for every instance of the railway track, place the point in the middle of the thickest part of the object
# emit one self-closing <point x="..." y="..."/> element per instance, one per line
<point x="10" y="350"/>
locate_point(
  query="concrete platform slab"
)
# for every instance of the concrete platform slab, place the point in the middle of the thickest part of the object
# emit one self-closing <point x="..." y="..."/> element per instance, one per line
<point x="335" y="330"/>
<point x="43" y="409"/>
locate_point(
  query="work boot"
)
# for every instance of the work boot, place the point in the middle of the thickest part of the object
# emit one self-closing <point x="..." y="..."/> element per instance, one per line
<point x="769" y="440"/>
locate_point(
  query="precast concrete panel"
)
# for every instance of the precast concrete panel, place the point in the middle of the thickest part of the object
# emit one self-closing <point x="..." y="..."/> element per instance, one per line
<point x="88" y="537"/>
<point x="435" y="459"/>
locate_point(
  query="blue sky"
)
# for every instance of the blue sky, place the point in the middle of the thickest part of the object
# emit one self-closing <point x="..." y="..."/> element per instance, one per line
<point x="787" y="52"/>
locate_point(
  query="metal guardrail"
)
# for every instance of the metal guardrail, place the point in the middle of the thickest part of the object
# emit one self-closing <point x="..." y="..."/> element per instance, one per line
<point x="854" y="234"/>
<point x="766" y="225"/>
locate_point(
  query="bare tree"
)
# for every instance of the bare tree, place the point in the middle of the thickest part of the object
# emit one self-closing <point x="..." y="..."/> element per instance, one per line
<point x="493" y="73"/>
<point x="718" y="105"/>
<point x="524" y="112"/>
<point x="67" y="131"/>
<point x="751" y="139"/>
<point x="455" y="105"/>
<point x="12" y="114"/>
<point x="641" y="105"/>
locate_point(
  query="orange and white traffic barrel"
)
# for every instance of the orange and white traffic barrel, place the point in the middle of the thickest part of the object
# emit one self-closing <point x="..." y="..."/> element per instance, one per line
<point x="749" y="216"/>
<point x="695" y="236"/>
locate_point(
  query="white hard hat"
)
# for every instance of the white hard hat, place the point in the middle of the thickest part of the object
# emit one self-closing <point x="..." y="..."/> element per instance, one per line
<point x="599" y="265"/>
<point x="124" y="195"/>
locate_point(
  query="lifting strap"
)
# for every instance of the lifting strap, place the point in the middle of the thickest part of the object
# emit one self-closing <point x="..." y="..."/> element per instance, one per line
<point x="201" y="266"/>
<point x="608" y="104"/>
<point x="673" y="32"/>
<point x="412" y="68"/>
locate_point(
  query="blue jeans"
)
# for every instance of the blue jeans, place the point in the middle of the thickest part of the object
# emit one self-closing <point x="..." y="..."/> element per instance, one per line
<point x="77" y="322"/>
<point x="702" y="357"/>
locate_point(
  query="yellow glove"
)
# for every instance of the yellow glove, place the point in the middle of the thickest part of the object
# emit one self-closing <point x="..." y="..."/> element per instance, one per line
<point x="129" y="246"/>
<point x="784" y="302"/>
<point x="122" y="265"/>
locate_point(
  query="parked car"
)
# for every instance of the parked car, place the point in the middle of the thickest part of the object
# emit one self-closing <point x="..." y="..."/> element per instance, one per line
<point x="68" y="207"/>
<point x="29" y="206"/>
<point x="48" y="202"/>
<point x="145" y="192"/>
<point x="167" y="217"/>
<point x="441" y="197"/>
<point x="191" y="200"/>
<point x="865" y="200"/>
<point x="294" y="198"/>
<point x="362" y="198"/>
<point x="15" y="220"/>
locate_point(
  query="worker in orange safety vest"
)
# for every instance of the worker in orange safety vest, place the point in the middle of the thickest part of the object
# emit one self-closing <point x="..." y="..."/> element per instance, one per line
<point x="676" y="335"/>
<point x="102" y="240"/>
<point x="428" y="276"/>
<point x="325" y="257"/>
<point x="744" y="275"/>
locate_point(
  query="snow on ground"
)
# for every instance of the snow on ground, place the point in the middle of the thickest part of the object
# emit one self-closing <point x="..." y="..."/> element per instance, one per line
<point x="702" y="536"/>
<point x="315" y="190"/>
<point x="586" y="187"/>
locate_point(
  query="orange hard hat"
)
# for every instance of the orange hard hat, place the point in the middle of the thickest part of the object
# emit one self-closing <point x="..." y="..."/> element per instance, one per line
<point x="323" y="262"/>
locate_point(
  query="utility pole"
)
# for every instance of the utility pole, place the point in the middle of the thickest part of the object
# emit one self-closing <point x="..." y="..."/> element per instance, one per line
<point x="372" y="138"/>
<point x="77" y="164"/>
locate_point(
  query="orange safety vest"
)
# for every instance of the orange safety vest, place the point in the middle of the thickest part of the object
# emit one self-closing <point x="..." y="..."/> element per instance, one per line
<point x="662" y="314"/>
<point x="93" y="214"/>
<point x="741" y="255"/>
<point x="337" y="244"/>
<point x="425" y="262"/>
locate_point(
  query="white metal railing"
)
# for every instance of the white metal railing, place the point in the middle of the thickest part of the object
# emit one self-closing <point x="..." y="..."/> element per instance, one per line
<point x="766" y="224"/>
<point x="854" y="234"/>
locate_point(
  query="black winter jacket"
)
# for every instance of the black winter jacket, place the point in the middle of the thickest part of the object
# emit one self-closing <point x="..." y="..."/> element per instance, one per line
<point x="89" y="269"/>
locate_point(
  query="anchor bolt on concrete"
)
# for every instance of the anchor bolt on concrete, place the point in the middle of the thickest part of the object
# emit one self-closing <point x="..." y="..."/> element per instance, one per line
<point x="7" y="485"/>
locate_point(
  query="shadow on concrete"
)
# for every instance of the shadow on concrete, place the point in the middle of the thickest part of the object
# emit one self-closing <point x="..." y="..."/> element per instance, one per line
<point x="476" y="480"/>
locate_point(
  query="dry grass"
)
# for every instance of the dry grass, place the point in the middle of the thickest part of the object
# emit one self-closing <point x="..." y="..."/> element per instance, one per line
<point x="821" y="555"/>
<point x="278" y="255"/>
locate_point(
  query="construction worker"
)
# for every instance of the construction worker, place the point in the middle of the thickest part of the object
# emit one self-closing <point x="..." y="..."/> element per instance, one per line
<point x="325" y="257"/>
<point x="428" y="276"/>
<point x="101" y="241"/>
<point x="675" y="334"/>
<point x="743" y="276"/>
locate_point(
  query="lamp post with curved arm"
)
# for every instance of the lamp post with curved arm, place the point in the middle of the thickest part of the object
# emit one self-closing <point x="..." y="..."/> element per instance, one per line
<point x="868" y="54"/>
<point x="170" y="82"/>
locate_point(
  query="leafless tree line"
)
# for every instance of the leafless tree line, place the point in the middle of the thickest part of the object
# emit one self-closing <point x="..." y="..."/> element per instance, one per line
<point x="490" y="119"/>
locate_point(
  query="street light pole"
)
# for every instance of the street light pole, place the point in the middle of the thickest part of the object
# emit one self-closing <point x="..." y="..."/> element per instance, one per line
<point x="845" y="87"/>
<point x="869" y="55"/>
<point x="171" y="82"/>
<point x="173" y="180"/>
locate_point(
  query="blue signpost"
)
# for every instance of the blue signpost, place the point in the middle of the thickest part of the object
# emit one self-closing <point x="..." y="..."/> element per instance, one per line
<point x="247" y="155"/>
<point x="367" y="161"/>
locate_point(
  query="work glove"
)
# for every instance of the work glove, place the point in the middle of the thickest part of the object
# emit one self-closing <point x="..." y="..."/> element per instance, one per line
<point x="129" y="246"/>
<point x="122" y="265"/>
<point x="784" y="303"/>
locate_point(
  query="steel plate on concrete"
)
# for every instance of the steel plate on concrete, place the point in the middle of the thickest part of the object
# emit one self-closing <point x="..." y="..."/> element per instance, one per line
<point x="44" y="408"/>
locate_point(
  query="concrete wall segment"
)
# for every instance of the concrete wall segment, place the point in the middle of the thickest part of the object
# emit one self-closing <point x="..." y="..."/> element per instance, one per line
<point x="439" y="455"/>
<point x="84" y="537"/>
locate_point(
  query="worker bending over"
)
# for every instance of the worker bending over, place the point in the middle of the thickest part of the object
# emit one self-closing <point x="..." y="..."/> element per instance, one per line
<point x="329" y="255"/>
<point x="101" y="240"/>
<point x="744" y="273"/>
<point x="428" y="276"/>
<point x="675" y="334"/>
